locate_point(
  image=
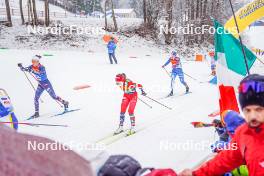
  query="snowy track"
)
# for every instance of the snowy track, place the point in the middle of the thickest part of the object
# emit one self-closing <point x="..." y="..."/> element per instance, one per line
<point x="100" y="104"/>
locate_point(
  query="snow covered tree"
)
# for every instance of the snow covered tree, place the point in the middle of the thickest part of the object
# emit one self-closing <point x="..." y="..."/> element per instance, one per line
<point x="21" y="11"/>
<point x="47" y="15"/>
<point x="8" y="13"/>
<point x="113" y="16"/>
<point x="35" y="16"/>
<point x="139" y="7"/>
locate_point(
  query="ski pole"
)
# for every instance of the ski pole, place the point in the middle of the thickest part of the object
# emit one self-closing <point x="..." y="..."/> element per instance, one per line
<point x="31" y="85"/>
<point x="190" y="76"/>
<point x="145" y="103"/>
<point x="34" y="124"/>
<point x="158" y="102"/>
<point x="167" y="71"/>
<point x="260" y="61"/>
<point x="45" y="89"/>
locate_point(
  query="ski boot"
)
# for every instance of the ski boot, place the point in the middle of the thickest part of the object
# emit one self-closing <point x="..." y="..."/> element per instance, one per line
<point x="34" y="116"/>
<point x="131" y="131"/>
<point x="119" y="130"/>
<point x="66" y="105"/>
<point x="187" y="89"/>
<point x="171" y="93"/>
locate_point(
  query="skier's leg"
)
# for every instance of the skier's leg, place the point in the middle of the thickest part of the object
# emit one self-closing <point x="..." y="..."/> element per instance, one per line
<point x="124" y="105"/>
<point x="38" y="93"/>
<point x="110" y="58"/>
<point x="173" y="76"/>
<point x="14" y="120"/>
<point x="52" y="93"/>
<point x="181" y="76"/>
<point x="114" y="57"/>
<point x="131" y="109"/>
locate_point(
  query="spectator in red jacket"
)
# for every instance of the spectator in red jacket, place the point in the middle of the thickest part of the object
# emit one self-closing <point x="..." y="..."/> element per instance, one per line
<point x="248" y="139"/>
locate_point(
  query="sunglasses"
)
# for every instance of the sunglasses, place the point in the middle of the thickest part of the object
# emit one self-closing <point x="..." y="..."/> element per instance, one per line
<point x="257" y="87"/>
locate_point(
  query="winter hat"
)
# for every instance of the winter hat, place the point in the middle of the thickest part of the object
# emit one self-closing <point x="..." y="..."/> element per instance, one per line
<point x="232" y="121"/>
<point x="120" y="77"/>
<point x="120" y="165"/>
<point x="174" y="53"/>
<point x="251" y="91"/>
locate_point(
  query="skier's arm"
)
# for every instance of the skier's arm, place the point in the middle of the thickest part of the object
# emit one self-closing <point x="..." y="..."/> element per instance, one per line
<point x="167" y="63"/>
<point x="28" y="69"/>
<point x="140" y="87"/>
<point x="3" y="111"/>
<point x="225" y="161"/>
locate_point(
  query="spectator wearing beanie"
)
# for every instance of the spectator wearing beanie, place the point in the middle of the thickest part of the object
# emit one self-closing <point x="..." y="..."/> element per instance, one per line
<point x="248" y="138"/>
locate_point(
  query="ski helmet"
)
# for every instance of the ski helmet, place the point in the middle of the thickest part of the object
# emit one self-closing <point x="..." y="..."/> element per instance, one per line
<point x="120" y="77"/>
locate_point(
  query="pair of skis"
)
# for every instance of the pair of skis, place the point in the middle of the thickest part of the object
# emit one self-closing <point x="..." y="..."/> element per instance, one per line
<point x="56" y="115"/>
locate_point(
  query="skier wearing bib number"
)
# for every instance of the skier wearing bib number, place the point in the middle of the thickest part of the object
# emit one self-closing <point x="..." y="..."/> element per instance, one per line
<point x="176" y="71"/>
<point x="39" y="73"/>
<point x="7" y="110"/>
<point x="129" y="101"/>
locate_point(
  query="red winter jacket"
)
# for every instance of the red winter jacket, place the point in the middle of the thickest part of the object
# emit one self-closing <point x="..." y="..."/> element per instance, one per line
<point x="248" y="150"/>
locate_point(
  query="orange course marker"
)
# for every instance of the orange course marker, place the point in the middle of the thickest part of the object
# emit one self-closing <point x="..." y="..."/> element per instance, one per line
<point x="199" y="57"/>
<point x="81" y="87"/>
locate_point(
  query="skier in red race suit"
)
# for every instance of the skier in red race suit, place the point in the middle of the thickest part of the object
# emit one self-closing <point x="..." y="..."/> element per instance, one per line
<point x="249" y="137"/>
<point x="129" y="100"/>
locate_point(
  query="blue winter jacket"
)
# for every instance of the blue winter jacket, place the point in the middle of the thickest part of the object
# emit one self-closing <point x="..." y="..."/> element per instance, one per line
<point x="3" y="111"/>
<point x="39" y="72"/>
<point x="111" y="46"/>
<point x="233" y="120"/>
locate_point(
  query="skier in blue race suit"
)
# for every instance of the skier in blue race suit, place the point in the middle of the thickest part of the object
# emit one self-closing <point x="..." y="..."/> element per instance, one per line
<point x="176" y="71"/>
<point x="111" y="46"/>
<point x="39" y="73"/>
<point x="7" y="110"/>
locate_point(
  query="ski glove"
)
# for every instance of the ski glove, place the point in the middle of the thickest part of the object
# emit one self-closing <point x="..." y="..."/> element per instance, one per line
<point x="21" y="67"/>
<point x="143" y="92"/>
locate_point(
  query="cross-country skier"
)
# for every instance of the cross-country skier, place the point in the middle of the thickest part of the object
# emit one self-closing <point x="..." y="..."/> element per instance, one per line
<point x="213" y="63"/>
<point x="39" y="73"/>
<point x="111" y="46"/>
<point x="7" y="110"/>
<point x="176" y="70"/>
<point x="129" y="100"/>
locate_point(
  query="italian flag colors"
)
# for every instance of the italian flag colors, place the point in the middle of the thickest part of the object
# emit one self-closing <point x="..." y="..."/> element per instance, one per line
<point x="231" y="66"/>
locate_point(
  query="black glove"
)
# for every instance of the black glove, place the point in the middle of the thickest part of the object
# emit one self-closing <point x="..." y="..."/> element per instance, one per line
<point x="21" y="67"/>
<point x="143" y="92"/>
<point x="217" y="123"/>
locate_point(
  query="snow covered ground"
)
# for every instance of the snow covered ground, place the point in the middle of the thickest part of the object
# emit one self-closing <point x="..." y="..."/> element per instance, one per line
<point x="100" y="104"/>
